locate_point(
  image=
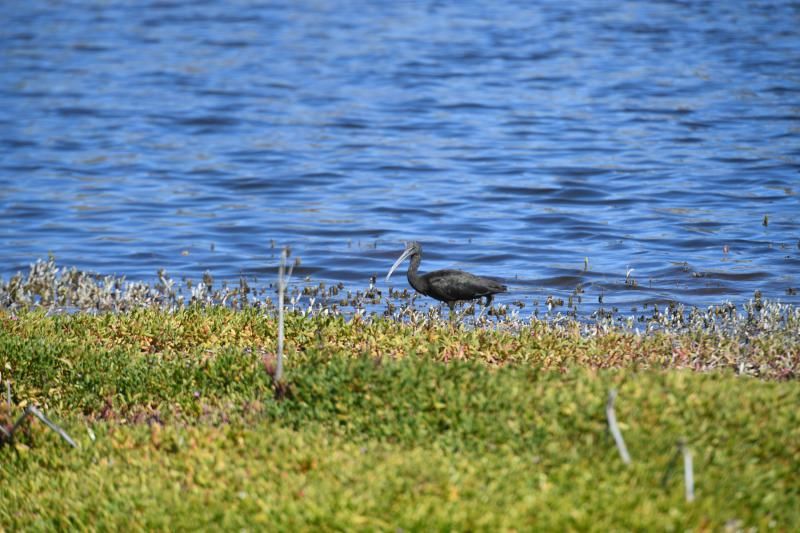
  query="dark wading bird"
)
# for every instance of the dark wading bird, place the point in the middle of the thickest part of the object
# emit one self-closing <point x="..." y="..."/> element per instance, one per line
<point x="449" y="286"/>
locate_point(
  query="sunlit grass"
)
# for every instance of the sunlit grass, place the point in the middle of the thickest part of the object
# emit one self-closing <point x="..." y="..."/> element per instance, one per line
<point x="385" y="424"/>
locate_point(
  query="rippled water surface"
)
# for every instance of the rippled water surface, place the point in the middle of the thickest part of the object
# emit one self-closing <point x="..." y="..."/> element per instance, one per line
<point x="551" y="144"/>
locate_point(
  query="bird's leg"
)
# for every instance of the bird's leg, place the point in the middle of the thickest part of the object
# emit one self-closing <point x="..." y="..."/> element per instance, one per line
<point x="452" y="306"/>
<point x="488" y="303"/>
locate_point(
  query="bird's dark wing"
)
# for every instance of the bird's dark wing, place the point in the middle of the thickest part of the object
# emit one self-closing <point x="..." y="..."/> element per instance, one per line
<point x="453" y="285"/>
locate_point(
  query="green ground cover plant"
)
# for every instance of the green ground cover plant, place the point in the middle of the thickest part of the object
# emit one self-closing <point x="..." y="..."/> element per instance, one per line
<point x="417" y="425"/>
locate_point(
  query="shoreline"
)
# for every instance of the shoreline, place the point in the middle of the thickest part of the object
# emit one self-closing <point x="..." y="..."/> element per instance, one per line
<point x="57" y="289"/>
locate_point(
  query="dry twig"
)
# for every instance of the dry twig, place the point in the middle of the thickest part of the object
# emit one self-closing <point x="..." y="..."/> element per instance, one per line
<point x="283" y="282"/>
<point x="7" y="432"/>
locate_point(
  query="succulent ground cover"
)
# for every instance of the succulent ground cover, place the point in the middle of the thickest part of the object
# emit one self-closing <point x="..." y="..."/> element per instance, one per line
<point x="407" y="421"/>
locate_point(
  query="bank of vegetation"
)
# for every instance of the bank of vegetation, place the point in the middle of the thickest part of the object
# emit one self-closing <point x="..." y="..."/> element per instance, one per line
<point x="382" y="424"/>
<point x="388" y="416"/>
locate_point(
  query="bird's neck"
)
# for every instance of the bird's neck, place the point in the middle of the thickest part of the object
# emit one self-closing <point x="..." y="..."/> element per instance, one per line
<point x="413" y="276"/>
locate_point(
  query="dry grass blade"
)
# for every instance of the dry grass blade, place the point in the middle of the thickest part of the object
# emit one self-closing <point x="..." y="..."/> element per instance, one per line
<point x="688" y="471"/>
<point x="612" y="424"/>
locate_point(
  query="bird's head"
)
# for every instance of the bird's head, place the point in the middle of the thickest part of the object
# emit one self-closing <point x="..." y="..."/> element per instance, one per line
<point x="412" y="248"/>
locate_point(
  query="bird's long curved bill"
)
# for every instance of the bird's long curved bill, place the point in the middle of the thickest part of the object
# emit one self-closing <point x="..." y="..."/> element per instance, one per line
<point x="397" y="263"/>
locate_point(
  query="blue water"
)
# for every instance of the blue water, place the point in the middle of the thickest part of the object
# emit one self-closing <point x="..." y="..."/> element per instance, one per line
<point x="513" y="139"/>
